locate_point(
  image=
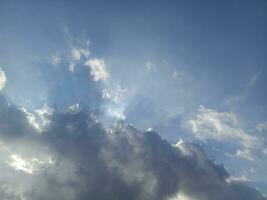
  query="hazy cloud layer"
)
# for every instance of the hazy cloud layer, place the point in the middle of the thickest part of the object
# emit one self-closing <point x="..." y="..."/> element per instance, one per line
<point x="75" y="157"/>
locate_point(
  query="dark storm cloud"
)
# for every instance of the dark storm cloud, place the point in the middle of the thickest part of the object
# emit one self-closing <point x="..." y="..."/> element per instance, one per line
<point x="89" y="161"/>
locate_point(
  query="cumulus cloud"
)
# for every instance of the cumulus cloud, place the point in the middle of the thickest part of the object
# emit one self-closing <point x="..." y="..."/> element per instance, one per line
<point x="3" y="79"/>
<point x="76" y="157"/>
<point x="210" y="124"/>
<point x="98" y="69"/>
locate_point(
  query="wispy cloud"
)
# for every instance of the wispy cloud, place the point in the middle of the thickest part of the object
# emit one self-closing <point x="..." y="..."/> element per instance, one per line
<point x="55" y="60"/>
<point x="245" y="153"/>
<point x="150" y="66"/>
<point x="210" y="124"/>
<point x="234" y="100"/>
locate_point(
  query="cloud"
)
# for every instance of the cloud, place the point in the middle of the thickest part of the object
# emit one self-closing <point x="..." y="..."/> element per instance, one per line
<point x="115" y="112"/>
<point x="40" y="118"/>
<point x="3" y="79"/>
<point x="116" y="94"/>
<point x="236" y="99"/>
<point x="178" y="74"/>
<point x="262" y="127"/>
<point x="98" y="69"/>
<point x="71" y="67"/>
<point x="55" y="60"/>
<point x="245" y="153"/>
<point x="210" y="124"/>
<point x="74" y="108"/>
<point x="29" y="166"/>
<point x="181" y="196"/>
<point x="76" y="157"/>
<point x="221" y="135"/>
<point x="76" y="56"/>
<point x="241" y="178"/>
<point x="149" y="66"/>
<point x="77" y="52"/>
<point x="115" y="100"/>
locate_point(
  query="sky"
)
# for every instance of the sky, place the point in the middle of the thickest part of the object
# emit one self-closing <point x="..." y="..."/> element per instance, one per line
<point x="154" y="91"/>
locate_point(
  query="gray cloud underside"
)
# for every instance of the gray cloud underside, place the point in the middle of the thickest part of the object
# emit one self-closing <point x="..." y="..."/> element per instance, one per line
<point x="92" y="162"/>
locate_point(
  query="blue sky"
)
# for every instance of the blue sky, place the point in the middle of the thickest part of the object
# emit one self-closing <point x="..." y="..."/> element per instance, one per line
<point x="190" y="70"/>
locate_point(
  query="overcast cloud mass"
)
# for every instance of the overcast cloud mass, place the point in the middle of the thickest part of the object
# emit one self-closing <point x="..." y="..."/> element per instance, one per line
<point x="75" y="157"/>
<point x="133" y="100"/>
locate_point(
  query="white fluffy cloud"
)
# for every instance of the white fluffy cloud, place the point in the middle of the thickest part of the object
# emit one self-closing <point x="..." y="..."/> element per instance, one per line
<point x="3" y="79"/>
<point x="98" y="69"/>
<point x="210" y="124"/>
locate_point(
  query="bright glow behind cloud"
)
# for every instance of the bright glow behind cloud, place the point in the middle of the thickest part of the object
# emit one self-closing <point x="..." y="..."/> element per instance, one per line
<point x="3" y="79"/>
